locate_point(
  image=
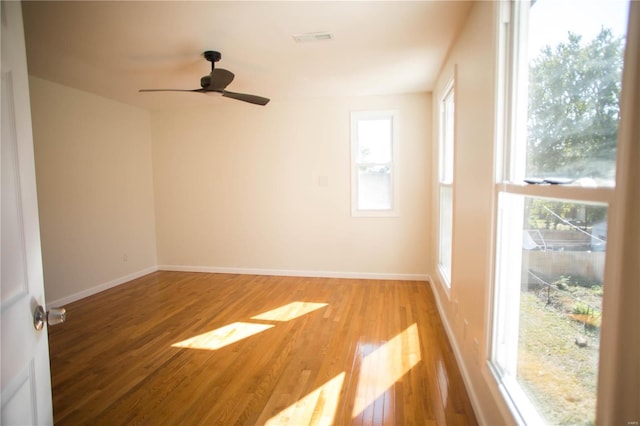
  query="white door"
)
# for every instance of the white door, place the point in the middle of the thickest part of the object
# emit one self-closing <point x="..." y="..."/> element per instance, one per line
<point x="25" y="381"/>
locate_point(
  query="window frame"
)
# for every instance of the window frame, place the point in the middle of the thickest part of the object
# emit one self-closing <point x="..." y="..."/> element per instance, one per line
<point x="445" y="177"/>
<point x="393" y="116"/>
<point x="511" y="119"/>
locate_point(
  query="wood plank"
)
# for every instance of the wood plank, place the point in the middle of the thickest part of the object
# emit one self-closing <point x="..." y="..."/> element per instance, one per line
<point x="116" y="360"/>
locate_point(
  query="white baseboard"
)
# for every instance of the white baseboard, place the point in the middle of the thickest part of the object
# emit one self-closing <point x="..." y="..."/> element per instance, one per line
<point x="101" y="287"/>
<point x="477" y="407"/>
<point x="295" y="273"/>
<point x="244" y="271"/>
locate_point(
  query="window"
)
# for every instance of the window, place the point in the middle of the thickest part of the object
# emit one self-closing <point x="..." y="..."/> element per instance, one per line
<point x="445" y="183"/>
<point x="561" y="81"/>
<point x="373" y="163"/>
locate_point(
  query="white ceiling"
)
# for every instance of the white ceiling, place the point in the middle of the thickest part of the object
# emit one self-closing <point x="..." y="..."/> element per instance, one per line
<point x="114" y="48"/>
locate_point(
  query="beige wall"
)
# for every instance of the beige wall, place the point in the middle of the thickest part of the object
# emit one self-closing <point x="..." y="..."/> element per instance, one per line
<point x="236" y="186"/>
<point x="239" y="186"/>
<point x="95" y="193"/>
<point x="473" y="57"/>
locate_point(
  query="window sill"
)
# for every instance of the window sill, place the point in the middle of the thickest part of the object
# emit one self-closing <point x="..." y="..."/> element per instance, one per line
<point x="374" y="213"/>
<point x="443" y="281"/>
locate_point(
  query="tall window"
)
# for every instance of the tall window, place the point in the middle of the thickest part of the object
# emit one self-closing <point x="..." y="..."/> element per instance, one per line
<point x="374" y="163"/>
<point x="560" y="126"/>
<point x="445" y="183"/>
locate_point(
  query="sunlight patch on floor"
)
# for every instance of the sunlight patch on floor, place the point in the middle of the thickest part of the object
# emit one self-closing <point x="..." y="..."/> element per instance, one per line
<point x="443" y="382"/>
<point x="316" y="408"/>
<point x="386" y="365"/>
<point x="232" y="333"/>
<point x="223" y="336"/>
<point x="290" y="311"/>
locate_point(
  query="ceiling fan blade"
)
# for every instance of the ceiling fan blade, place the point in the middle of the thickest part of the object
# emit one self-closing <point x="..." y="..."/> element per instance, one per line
<point x="252" y="99"/>
<point x="219" y="79"/>
<point x="170" y="90"/>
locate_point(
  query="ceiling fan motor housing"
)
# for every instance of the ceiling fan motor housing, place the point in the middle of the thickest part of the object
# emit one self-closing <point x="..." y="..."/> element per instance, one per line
<point x="205" y="81"/>
<point x="212" y="56"/>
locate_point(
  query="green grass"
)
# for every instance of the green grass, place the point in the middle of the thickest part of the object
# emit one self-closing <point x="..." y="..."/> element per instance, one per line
<point x="558" y="375"/>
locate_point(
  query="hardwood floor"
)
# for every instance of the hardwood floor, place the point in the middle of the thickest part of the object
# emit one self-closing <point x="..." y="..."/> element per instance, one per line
<point x="215" y="349"/>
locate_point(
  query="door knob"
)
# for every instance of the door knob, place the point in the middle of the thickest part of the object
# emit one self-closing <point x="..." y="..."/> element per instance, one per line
<point x="56" y="316"/>
<point x="52" y="317"/>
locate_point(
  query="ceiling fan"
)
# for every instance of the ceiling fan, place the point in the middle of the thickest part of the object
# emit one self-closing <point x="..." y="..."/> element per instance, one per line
<point x="217" y="81"/>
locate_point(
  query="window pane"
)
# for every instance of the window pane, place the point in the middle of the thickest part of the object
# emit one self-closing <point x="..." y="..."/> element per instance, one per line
<point x="373" y="164"/>
<point x="446" y="139"/>
<point x="446" y="229"/>
<point x="575" y="68"/>
<point x="561" y="287"/>
<point x="374" y="187"/>
<point x="374" y="141"/>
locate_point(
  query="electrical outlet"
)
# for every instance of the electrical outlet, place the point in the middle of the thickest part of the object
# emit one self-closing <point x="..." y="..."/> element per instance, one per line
<point x="456" y="307"/>
<point x="125" y="258"/>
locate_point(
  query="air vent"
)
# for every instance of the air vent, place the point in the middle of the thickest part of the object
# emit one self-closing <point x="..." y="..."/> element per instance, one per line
<point x="309" y="37"/>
